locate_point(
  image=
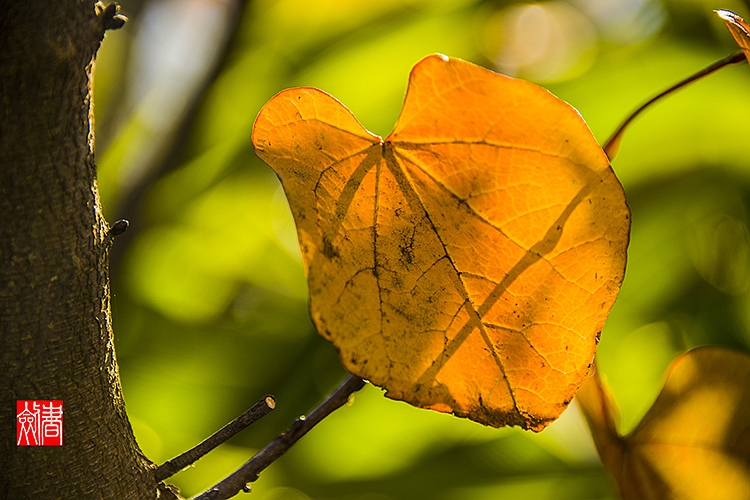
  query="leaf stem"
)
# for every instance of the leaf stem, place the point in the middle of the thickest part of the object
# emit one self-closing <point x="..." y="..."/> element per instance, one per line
<point x="251" y="415"/>
<point x="239" y="479"/>
<point x="612" y="145"/>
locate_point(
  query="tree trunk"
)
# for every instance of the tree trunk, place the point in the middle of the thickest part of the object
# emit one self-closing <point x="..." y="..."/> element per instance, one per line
<point x="55" y="331"/>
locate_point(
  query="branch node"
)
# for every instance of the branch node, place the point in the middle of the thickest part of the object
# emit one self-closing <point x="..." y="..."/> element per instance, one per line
<point x="110" y="16"/>
<point x="168" y="492"/>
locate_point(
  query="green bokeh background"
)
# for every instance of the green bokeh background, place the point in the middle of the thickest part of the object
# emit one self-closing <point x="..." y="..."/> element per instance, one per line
<point x="210" y="304"/>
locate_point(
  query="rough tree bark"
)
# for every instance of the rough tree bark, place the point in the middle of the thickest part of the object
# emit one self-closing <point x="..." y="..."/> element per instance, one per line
<point x="55" y="334"/>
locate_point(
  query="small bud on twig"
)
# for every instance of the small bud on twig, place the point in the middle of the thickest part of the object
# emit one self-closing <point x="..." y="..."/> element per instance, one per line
<point x="119" y="227"/>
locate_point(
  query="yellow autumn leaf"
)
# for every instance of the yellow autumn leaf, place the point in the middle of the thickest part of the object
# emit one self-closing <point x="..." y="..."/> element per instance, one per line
<point x="467" y="262"/>
<point x="694" y="442"/>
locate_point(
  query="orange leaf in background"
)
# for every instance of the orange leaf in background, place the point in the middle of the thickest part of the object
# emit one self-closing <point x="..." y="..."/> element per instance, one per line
<point x="738" y="28"/>
<point x="694" y="442"/>
<point x="467" y="263"/>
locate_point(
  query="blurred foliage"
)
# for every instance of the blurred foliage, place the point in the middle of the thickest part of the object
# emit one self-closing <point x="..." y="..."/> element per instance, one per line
<point x="209" y="299"/>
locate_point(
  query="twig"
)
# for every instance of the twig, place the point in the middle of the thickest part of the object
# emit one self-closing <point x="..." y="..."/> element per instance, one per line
<point x="610" y="147"/>
<point x="253" y="414"/>
<point x="239" y="479"/>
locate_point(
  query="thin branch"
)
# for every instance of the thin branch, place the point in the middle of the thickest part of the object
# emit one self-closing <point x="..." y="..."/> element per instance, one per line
<point x="239" y="479"/>
<point x="612" y="145"/>
<point x="250" y="416"/>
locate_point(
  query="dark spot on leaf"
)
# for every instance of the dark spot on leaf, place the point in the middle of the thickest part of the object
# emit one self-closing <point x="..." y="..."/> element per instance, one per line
<point x="329" y="250"/>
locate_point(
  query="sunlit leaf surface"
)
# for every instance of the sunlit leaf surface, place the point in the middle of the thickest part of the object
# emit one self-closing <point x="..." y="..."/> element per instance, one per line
<point x="467" y="262"/>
